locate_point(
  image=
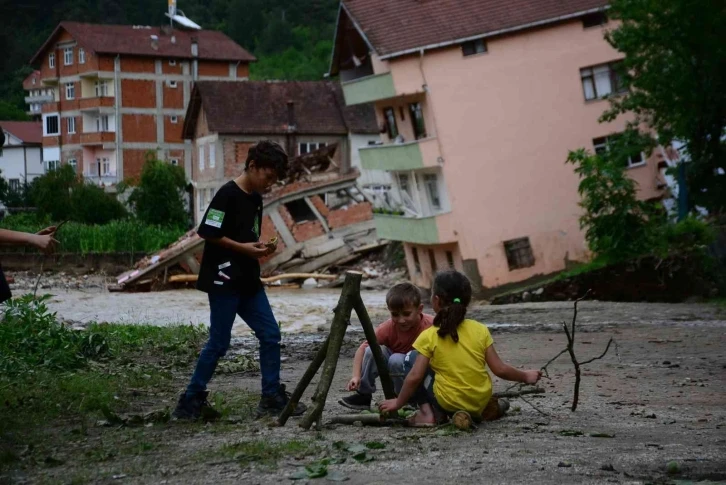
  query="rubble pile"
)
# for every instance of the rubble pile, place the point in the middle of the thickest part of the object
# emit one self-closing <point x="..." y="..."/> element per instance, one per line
<point x="25" y="281"/>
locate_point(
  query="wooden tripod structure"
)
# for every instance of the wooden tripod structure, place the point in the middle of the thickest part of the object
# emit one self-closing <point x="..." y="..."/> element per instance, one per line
<point x="350" y="300"/>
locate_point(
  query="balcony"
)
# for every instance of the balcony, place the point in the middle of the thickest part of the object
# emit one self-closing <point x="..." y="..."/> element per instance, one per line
<point x="99" y="103"/>
<point x="368" y="89"/>
<point x="101" y="180"/>
<point x="42" y="98"/>
<point x="422" y="153"/>
<point x="98" y="138"/>
<point x="417" y="230"/>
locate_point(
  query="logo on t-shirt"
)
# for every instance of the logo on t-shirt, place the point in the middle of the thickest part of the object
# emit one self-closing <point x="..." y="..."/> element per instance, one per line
<point x="214" y="218"/>
<point x="256" y="227"/>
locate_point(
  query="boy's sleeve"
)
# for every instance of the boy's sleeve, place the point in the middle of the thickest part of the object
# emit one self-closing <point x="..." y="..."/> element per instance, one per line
<point x="384" y="334"/>
<point x="213" y="222"/>
<point x="425" y="344"/>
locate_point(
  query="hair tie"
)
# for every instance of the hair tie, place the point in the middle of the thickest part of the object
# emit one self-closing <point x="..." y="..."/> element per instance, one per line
<point x="456" y="300"/>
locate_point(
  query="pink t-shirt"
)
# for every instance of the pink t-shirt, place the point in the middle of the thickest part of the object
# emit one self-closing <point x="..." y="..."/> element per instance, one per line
<point x="400" y="342"/>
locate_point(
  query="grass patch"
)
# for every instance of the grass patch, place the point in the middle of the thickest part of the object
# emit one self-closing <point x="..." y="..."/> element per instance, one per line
<point x="267" y="453"/>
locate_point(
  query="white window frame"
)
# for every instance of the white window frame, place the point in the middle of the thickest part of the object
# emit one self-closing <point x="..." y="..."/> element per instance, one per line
<point x="212" y="155"/>
<point x="45" y="124"/>
<point x="101" y="88"/>
<point x="600" y="147"/>
<point x="428" y="183"/>
<point x="51" y="165"/>
<point x="200" y="197"/>
<point x="172" y="62"/>
<point x="174" y="162"/>
<point x="102" y="123"/>
<point x="174" y="119"/>
<point x="51" y="60"/>
<point x="594" y="78"/>
<point x="81" y="55"/>
<point x="68" y="56"/>
<point x="73" y="163"/>
<point x="71" y="125"/>
<point x="70" y="91"/>
<point x="310" y="146"/>
<point x="200" y="156"/>
<point x="172" y="84"/>
<point x="106" y="167"/>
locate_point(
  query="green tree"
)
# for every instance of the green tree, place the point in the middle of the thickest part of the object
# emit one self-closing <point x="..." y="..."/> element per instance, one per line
<point x="11" y="112"/>
<point x="158" y="198"/>
<point x="91" y="204"/>
<point x="51" y="193"/>
<point x="675" y="72"/>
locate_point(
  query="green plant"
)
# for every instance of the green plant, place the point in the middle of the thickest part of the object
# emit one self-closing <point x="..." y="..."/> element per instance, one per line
<point x="91" y="204"/>
<point x="158" y="198"/>
<point x="51" y="193"/>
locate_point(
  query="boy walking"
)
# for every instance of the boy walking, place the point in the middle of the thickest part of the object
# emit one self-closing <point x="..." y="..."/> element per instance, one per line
<point x="396" y="337"/>
<point x="230" y="275"/>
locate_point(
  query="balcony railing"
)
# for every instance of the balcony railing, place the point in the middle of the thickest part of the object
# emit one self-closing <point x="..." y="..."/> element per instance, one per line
<point x="369" y="89"/>
<point x="414" y="155"/>
<point x="96" y="103"/>
<point x="98" y="138"/>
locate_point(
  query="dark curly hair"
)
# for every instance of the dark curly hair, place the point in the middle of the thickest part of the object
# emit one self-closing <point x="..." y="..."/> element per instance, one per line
<point x="454" y="292"/>
<point x="268" y="154"/>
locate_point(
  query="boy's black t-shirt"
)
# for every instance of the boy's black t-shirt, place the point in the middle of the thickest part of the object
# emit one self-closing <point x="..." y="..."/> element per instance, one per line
<point x="235" y="214"/>
<point x="5" y="293"/>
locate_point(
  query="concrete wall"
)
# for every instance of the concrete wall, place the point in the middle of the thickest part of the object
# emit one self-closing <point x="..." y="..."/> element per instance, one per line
<point x="506" y="120"/>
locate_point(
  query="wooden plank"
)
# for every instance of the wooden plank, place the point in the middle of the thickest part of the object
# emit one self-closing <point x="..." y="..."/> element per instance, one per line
<point x="326" y="260"/>
<point x="313" y="251"/>
<point x="317" y="213"/>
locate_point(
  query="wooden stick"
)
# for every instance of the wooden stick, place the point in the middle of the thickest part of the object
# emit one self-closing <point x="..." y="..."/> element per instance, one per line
<point x="304" y="383"/>
<point x="183" y="278"/>
<point x="381" y="363"/>
<point x="349" y="294"/>
<point x="366" y="419"/>
<point x="291" y="276"/>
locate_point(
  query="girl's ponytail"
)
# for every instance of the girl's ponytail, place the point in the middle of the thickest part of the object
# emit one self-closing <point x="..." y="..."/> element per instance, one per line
<point x="454" y="292"/>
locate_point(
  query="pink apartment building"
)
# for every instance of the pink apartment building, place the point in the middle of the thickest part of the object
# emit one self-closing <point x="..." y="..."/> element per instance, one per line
<point x="480" y="102"/>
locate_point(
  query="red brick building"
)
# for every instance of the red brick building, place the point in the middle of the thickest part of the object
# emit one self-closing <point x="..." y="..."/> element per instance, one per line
<point x="121" y="91"/>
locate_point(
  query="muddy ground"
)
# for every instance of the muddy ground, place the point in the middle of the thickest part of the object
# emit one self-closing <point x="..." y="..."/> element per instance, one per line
<point x="661" y="398"/>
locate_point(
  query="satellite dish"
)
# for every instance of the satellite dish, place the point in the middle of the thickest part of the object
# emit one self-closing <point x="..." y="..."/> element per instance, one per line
<point x="182" y="20"/>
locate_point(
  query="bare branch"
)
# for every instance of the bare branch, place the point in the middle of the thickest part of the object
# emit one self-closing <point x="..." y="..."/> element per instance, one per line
<point x="534" y="407"/>
<point x="601" y="356"/>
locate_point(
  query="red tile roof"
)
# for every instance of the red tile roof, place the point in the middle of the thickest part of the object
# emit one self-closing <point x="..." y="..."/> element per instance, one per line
<point x="261" y="108"/>
<point x="394" y="26"/>
<point x="27" y="131"/>
<point x="134" y="40"/>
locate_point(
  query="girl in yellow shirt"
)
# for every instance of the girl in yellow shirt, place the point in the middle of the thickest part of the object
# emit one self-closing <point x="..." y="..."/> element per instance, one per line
<point x="447" y="371"/>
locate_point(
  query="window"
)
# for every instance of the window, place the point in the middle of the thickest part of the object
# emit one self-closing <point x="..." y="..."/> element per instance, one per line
<point x="478" y="46"/>
<point x="307" y="147"/>
<point x="81" y="56"/>
<point x="602" y="145"/>
<point x="416" y="262"/>
<point x="404" y="184"/>
<point x="51" y="60"/>
<point x="519" y="253"/>
<point x="51" y="165"/>
<point x="14" y="184"/>
<point x="71" y="125"/>
<point x="300" y="211"/>
<point x="73" y="163"/>
<point x="68" y="56"/>
<point x="200" y="197"/>
<point x="201" y="157"/>
<point x="70" y="91"/>
<point x="390" y="116"/>
<point x="51" y="125"/>
<point x="101" y="88"/>
<point x="172" y="84"/>
<point x="172" y="62"/>
<point x="106" y="167"/>
<point x="432" y="258"/>
<point x="102" y="123"/>
<point x="432" y="190"/>
<point x="417" y="119"/>
<point x="174" y="120"/>
<point x="594" y="19"/>
<point x="450" y="259"/>
<point x="212" y="155"/>
<point x="174" y="161"/>
<point x="601" y="81"/>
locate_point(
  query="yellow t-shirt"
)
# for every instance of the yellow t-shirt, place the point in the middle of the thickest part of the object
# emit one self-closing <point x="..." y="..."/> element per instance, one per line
<point x="462" y="381"/>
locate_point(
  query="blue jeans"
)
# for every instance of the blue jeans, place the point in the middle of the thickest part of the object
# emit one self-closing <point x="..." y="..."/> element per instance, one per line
<point x="256" y="312"/>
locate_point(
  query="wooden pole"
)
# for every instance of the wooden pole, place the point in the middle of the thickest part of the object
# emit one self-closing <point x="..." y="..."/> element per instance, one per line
<point x="381" y="363"/>
<point x="304" y="383"/>
<point x="348" y="296"/>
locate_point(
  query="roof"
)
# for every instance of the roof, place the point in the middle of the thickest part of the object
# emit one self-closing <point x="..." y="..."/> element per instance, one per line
<point x="28" y="81"/>
<point x="27" y="131"/>
<point x="136" y="40"/>
<point x="261" y="108"/>
<point x="394" y="27"/>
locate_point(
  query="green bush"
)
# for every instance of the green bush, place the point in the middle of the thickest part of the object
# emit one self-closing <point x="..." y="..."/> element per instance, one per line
<point x="158" y="198"/>
<point x="92" y="205"/>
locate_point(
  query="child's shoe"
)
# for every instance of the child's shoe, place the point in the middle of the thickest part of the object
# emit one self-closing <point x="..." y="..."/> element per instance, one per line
<point x="357" y="401"/>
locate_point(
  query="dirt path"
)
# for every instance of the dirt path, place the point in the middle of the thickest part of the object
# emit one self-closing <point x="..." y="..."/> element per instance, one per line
<point x="662" y="400"/>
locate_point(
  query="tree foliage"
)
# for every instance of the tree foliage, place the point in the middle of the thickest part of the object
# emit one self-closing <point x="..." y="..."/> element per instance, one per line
<point x="675" y="72"/>
<point x="158" y="198"/>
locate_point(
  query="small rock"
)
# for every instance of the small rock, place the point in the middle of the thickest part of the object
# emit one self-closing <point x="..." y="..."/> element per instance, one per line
<point x="673" y="468"/>
<point x="562" y="464"/>
<point x="666" y="362"/>
<point x="650" y="416"/>
<point x="538" y="292"/>
<point x="526" y="296"/>
<point x="310" y="283"/>
<point x="358" y="424"/>
<point x="607" y="468"/>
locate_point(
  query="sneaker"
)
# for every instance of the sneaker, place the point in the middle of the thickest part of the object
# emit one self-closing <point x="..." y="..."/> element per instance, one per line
<point x="357" y="401"/>
<point x="195" y="407"/>
<point x="273" y="405"/>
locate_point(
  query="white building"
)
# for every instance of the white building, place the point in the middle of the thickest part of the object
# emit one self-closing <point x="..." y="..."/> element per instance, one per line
<point x="21" y="154"/>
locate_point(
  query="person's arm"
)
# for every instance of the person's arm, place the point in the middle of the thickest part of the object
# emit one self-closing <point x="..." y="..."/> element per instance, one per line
<point x="507" y="372"/>
<point x="44" y="242"/>
<point x="253" y="250"/>
<point x="412" y="382"/>
<point x="354" y="383"/>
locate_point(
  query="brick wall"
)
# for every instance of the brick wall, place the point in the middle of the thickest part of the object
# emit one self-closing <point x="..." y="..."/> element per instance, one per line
<point x="133" y="163"/>
<point x="354" y="214"/>
<point x="320" y="205"/>
<point x="304" y="231"/>
<point x="105" y="63"/>
<point x="234" y="165"/>
<point x="138" y="94"/>
<point x="173" y="131"/>
<point x="243" y="70"/>
<point x="167" y="68"/>
<point x="173" y="97"/>
<point x="72" y="104"/>
<point x="138" y="64"/>
<point x="73" y="138"/>
<point x="139" y="128"/>
<point x="214" y="68"/>
<point x="76" y="155"/>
